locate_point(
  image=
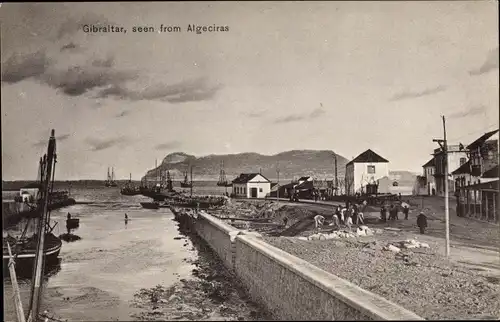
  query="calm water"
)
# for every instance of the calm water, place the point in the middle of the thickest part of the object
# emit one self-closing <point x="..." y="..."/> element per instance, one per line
<point x="101" y="272"/>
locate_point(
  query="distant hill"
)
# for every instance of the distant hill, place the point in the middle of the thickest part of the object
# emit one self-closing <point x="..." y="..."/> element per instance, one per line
<point x="292" y="164"/>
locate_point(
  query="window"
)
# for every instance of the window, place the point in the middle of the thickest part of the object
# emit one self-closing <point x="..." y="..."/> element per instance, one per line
<point x="260" y="189"/>
<point x="371" y="169"/>
<point x="462" y="160"/>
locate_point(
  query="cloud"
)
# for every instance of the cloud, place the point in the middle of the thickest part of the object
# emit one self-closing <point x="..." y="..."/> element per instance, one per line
<point x="409" y="95"/>
<point x="168" y="145"/>
<point x="20" y="67"/>
<point x="70" y="46"/>
<point x="100" y="76"/>
<point x="78" y="80"/>
<point x="317" y="113"/>
<point x="290" y="118"/>
<point x="481" y="109"/>
<point x="44" y="142"/>
<point x="72" y="26"/>
<point x="103" y="144"/>
<point x="301" y="117"/>
<point x="186" y="91"/>
<point x="490" y="64"/>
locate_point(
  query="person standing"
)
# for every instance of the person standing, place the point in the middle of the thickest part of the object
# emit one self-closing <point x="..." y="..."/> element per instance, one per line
<point x="406" y="211"/>
<point x="383" y="214"/>
<point x="422" y="222"/>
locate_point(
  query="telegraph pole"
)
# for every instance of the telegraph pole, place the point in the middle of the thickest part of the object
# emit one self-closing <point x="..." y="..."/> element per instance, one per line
<point x="278" y="184"/>
<point x="336" y="176"/>
<point x="444" y="147"/>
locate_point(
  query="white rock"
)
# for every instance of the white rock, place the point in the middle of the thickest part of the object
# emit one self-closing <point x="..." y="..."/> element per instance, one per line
<point x="360" y="232"/>
<point x="424" y="245"/>
<point x="393" y="249"/>
<point x="363" y="227"/>
<point x="369" y="232"/>
<point x="410" y="246"/>
<point x="302" y="238"/>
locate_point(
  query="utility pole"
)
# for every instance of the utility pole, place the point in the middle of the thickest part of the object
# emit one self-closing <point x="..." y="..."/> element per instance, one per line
<point x="191" y="186"/>
<point x="336" y="176"/>
<point x="278" y="184"/>
<point x="444" y="147"/>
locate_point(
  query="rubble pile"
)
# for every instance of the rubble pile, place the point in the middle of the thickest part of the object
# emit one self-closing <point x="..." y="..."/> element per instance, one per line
<point x="360" y="231"/>
<point x="407" y="244"/>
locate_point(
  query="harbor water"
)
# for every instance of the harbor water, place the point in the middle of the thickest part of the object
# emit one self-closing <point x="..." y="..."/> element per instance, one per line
<point x="111" y="273"/>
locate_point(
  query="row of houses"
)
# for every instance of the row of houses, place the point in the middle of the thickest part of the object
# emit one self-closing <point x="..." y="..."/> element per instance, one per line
<point x="473" y="176"/>
<point x="368" y="173"/>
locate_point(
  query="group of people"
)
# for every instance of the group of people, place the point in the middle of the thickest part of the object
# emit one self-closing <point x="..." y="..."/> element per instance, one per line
<point x="393" y="212"/>
<point x="347" y="216"/>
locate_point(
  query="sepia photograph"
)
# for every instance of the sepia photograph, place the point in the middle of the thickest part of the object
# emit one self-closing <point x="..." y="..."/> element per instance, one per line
<point x="250" y="160"/>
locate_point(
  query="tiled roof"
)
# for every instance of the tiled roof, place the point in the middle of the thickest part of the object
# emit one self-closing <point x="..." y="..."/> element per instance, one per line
<point x="366" y="157"/>
<point x="464" y="168"/>
<point x="481" y="140"/>
<point x="245" y="177"/>
<point x="429" y="163"/>
<point x="491" y="173"/>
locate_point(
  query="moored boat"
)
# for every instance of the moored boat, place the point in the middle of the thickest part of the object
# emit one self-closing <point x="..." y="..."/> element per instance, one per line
<point x="150" y="205"/>
<point x="25" y="249"/>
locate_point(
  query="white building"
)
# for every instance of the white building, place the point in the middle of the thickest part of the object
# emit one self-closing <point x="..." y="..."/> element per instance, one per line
<point x="430" y="183"/>
<point x="29" y="192"/>
<point x="363" y="172"/>
<point x="251" y="185"/>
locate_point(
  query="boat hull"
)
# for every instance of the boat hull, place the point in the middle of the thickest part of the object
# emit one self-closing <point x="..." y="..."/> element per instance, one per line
<point x="26" y="257"/>
<point x="150" y="205"/>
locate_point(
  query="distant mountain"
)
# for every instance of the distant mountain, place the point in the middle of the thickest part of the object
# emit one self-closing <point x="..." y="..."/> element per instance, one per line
<point x="403" y="177"/>
<point x="292" y="164"/>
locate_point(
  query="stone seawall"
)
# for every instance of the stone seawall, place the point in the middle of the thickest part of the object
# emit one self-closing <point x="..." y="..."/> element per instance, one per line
<point x="289" y="287"/>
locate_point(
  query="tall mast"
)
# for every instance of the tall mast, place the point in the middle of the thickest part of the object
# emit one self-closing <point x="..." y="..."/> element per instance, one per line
<point x="191" y="186"/>
<point x="49" y="162"/>
<point x="156" y="169"/>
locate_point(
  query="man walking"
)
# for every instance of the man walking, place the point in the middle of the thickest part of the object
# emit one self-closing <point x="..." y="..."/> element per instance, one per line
<point x="422" y="222"/>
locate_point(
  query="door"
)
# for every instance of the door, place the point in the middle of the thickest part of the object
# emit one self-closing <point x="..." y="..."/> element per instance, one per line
<point x="253" y="192"/>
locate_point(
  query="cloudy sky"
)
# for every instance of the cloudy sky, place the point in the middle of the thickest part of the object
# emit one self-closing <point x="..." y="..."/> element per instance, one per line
<point x="309" y="75"/>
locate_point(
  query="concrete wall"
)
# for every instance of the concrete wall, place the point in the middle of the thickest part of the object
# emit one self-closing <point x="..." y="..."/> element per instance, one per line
<point x="293" y="289"/>
<point x="219" y="235"/>
<point x="290" y="287"/>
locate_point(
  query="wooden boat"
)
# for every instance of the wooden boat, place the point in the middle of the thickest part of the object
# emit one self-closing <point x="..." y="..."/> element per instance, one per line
<point x="222" y="177"/>
<point x="72" y="223"/>
<point x="110" y="181"/>
<point x="25" y="250"/>
<point x="150" y="205"/>
<point x="186" y="183"/>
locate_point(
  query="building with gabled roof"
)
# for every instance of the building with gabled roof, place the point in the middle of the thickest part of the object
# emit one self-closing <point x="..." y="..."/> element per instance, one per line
<point x="251" y="185"/>
<point x="363" y="172"/>
<point x="430" y="184"/>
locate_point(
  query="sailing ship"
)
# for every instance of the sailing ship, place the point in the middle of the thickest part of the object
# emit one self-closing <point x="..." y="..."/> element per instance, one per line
<point x="129" y="189"/>
<point x="186" y="183"/>
<point x="110" y="181"/>
<point x="40" y="248"/>
<point x="222" y="177"/>
<point x="25" y="247"/>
